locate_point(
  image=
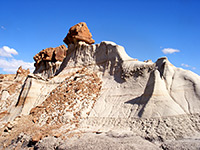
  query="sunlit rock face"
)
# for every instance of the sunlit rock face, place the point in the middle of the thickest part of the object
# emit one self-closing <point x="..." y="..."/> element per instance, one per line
<point x="79" y="32"/>
<point x="90" y="89"/>
<point x="130" y="88"/>
<point x="133" y="88"/>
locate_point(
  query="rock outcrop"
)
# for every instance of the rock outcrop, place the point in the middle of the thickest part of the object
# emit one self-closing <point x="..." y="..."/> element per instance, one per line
<point x="98" y="91"/>
<point x="10" y="88"/>
<point x="48" y="61"/>
<point x="70" y="101"/>
<point x="22" y="72"/>
<point x="79" y="32"/>
<point x="50" y="54"/>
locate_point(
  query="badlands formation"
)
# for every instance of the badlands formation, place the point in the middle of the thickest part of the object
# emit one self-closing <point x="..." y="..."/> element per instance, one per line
<point x="94" y="96"/>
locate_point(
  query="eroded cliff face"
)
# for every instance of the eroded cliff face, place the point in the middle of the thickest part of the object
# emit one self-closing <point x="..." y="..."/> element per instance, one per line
<point x="133" y="88"/>
<point x="98" y="88"/>
<point x="10" y="88"/>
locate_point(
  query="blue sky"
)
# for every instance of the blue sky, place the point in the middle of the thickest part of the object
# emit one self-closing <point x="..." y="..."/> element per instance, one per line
<point x="143" y="27"/>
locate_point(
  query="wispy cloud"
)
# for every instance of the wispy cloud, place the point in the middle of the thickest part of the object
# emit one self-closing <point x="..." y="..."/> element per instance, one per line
<point x="5" y="51"/>
<point x="185" y="65"/>
<point x="9" y="64"/>
<point x="170" y="50"/>
<point x="188" y="66"/>
<point x="3" y="28"/>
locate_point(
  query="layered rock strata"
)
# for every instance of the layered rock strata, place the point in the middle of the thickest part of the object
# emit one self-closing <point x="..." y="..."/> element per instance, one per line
<point x="10" y="88"/>
<point x="99" y="90"/>
<point x="160" y="89"/>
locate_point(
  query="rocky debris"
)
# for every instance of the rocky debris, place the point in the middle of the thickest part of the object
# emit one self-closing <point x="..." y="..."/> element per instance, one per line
<point x="57" y="135"/>
<point x="79" y="32"/>
<point x="37" y="137"/>
<point x="13" y="133"/>
<point x="102" y="142"/>
<point x="8" y="127"/>
<point x="70" y="101"/>
<point x="48" y="61"/>
<point x="152" y="129"/>
<point x="20" y="142"/>
<point x="48" y="143"/>
<point x="183" y="144"/>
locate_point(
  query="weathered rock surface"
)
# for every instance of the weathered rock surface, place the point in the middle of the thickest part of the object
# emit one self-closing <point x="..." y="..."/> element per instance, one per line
<point x="10" y="88"/>
<point x="152" y="83"/>
<point x="71" y="101"/>
<point x="184" y="144"/>
<point x="79" y="32"/>
<point x="51" y="54"/>
<point x="102" y="142"/>
<point x="48" y="61"/>
<point x="100" y="98"/>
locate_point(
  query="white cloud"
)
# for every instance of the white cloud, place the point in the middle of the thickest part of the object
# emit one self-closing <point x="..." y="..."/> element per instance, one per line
<point x="170" y="50"/>
<point x="12" y="65"/>
<point x="188" y="66"/>
<point x="5" y="51"/>
<point x="2" y="27"/>
<point x="9" y="64"/>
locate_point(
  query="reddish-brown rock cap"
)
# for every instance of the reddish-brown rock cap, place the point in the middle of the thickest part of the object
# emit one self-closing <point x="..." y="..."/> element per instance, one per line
<point x="79" y="32"/>
<point x="51" y="54"/>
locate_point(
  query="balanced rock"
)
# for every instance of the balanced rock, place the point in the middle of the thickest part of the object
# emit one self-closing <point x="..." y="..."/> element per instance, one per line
<point x="79" y="32"/>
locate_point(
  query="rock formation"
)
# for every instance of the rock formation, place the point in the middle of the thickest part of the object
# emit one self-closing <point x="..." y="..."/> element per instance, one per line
<point x="22" y="72"/>
<point x="10" y="88"/>
<point x="100" y="96"/>
<point x="79" y="32"/>
<point x="48" y="61"/>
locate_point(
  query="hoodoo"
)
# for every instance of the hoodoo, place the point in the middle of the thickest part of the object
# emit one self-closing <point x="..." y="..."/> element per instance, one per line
<point x="91" y="96"/>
